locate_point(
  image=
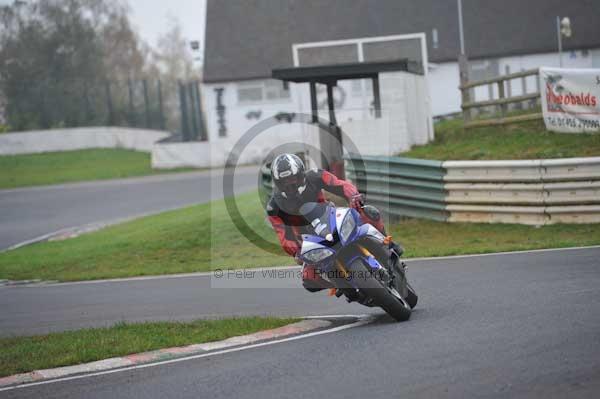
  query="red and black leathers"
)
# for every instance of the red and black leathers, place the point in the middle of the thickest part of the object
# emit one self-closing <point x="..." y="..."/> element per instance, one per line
<point x="284" y="213"/>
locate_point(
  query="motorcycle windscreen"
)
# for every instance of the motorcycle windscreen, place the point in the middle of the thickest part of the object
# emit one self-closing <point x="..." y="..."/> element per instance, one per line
<point x="319" y="215"/>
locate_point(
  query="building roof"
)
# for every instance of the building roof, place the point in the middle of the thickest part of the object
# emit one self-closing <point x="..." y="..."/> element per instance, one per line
<point x="247" y="39"/>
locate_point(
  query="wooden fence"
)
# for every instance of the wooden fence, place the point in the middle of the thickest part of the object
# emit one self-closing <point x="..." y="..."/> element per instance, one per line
<point x="501" y="103"/>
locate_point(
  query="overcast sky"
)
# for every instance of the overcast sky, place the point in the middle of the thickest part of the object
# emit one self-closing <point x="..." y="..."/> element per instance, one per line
<point x="150" y="17"/>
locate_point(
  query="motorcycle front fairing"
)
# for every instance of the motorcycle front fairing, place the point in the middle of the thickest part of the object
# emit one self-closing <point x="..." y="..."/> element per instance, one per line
<point x="344" y="250"/>
<point x="337" y="228"/>
<point x="319" y="249"/>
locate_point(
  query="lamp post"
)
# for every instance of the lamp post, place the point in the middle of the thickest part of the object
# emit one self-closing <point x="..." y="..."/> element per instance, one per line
<point x="195" y="46"/>
<point x="563" y="28"/>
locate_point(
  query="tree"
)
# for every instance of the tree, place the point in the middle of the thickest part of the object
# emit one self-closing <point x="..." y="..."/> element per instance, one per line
<point x="173" y="64"/>
<point x="125" y="54"/>
<point x="173" y="57"/>
<point x="46" y="47"/>
<point x="56" y="55"/>
<point x="81" y="63"/>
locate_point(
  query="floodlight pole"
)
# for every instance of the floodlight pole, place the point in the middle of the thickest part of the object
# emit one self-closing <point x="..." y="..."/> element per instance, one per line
<point x="463" y="64"/>
<point x="559" y="36"/>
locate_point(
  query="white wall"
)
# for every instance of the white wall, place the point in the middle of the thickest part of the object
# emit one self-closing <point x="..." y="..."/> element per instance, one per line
<point x="404" y="122"/>
<point x="444" y="77"/>
<point x="238" y="121"/>
<point x="404" y="101"/>
<point x="595" y="58"/>
<point x="78" y="139"/>
<point x="444" y="80"/>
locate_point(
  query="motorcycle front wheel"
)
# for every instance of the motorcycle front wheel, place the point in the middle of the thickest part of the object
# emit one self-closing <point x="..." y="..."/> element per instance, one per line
<point x="370" y="284"/>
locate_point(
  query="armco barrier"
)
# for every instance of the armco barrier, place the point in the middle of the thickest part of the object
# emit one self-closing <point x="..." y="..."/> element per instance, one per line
<point x="570" y="169"/>
<point x="266" y="188"/>
<point x="401" y="186"/>
<point x="267" y="184"/>
<point x="492" y="171"/>
<point x="532" y="215"/>
<point x="495" y="192"/>
<point x="532" y="192"/>
<point x="572" y="193"/>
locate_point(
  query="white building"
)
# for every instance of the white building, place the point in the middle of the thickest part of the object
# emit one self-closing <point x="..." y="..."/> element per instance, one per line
<point x="246" y="41"/>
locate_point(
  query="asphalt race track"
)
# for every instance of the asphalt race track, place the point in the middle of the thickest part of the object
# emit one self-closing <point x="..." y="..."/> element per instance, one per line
<point x="507" y="325"/>
<point x="29" y="213"/>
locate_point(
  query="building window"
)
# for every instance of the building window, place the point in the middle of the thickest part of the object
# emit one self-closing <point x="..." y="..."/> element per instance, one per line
<point x="435" y="39"/>
<point x="275" y="90"/>
<point x="265" y="91"/>
<point x="250" y="94"/>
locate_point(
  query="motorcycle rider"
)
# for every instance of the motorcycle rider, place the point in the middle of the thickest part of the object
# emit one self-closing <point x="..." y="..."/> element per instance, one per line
<point x="293" y="186"/>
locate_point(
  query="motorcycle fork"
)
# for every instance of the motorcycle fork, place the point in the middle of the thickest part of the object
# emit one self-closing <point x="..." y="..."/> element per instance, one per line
<point x="387" y="277"/>
<point x="341" y="268"/>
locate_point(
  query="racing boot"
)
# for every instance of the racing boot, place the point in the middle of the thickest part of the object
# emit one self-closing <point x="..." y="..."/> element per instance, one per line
<point x="396" y="249"/>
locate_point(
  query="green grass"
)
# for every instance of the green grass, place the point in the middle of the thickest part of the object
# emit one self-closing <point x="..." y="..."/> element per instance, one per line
<point x="173" y="242"/>
<point x="73" y="166"/>
<point x="424" y="238"/>
<point x="202" y="238"/>
<point x="25" y="354"/>
<point x="528" y="140"/>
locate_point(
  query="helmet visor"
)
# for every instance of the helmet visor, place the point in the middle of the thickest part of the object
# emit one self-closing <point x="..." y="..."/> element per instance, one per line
<point x="290" y="185"/>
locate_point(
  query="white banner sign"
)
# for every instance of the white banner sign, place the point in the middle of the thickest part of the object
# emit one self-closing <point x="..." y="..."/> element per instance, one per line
<point x="570" y="99"/>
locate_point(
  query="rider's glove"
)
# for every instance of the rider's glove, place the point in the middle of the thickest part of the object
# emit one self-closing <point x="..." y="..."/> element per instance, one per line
<point x="357" y="202"/>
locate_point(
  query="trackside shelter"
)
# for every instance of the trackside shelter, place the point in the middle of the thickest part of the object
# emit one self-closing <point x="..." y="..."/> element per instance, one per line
<point x="395" y="116"/>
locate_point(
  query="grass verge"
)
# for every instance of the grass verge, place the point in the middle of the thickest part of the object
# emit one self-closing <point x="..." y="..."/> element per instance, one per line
<point x="528" y="140"/>
<point x="202" y="238"/>
<point x="73" y="166"/>
<point x="25" y="354"/>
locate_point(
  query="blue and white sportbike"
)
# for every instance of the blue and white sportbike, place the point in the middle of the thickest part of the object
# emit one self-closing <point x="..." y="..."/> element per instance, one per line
<point x="356" y="259"/>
